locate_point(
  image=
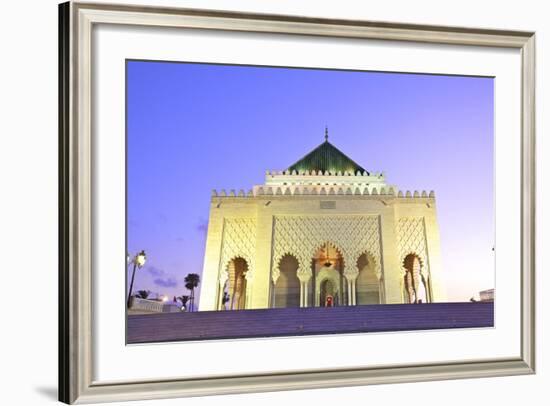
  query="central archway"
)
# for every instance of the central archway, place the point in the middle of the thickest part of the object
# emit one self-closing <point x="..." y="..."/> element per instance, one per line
<point x="328" y="292"/>
<point x="327" y="264"/>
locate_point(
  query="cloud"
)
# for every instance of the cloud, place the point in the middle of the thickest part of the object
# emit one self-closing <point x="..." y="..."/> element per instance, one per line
<point x="166" y="282"/>
<point x="154" y="271"/>
<point x="161" y="278"/>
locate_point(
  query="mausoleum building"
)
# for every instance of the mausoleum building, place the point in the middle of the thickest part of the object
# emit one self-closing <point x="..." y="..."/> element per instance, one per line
<point x="323" y="232"/>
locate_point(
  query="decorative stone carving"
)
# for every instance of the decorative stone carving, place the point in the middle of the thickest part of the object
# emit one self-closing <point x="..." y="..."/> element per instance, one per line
<point x="276" y="271"/>
<point x="411" y="239"/>
<point x="304" y="275"/>
<point x="301" y="236"/>
<point x="239" y="240"/>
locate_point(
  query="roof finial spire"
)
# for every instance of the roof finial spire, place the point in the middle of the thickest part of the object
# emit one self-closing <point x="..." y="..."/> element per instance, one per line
<point x="326" y="134"/>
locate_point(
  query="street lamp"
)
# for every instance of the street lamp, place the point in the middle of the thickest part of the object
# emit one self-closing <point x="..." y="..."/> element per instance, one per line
<point x="138" y="261"/>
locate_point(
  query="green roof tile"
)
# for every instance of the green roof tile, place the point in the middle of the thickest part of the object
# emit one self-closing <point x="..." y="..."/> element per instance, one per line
<point x="326" y="157"/>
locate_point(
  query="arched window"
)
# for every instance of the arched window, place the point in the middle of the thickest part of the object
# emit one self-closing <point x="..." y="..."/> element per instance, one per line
<point x="415" y="289"/>
<point x="237" y="269"/>
<point x="287" y="287"/>
<point x="367" y="284"/>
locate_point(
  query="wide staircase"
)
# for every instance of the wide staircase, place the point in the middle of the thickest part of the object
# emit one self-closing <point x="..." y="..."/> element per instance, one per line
<point x="305" y="321"/>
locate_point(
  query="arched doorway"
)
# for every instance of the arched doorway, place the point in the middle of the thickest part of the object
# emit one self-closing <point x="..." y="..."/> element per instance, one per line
<point x="328" y="276"/>
<point x="287" y="287"/>
<point x="328" y="293"/>
<point x="414" y="286"/>
<point x="237" y="269"/>
<point x="367" y="284"/>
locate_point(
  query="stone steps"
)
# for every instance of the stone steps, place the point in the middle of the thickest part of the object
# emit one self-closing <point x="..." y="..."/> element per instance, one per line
<point x="306" y="321"/>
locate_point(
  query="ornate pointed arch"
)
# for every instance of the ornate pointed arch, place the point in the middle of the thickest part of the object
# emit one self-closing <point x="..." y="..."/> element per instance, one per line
<point x="276" y="271"/>
<point x="374" y="258"/>
<point x="423" y="268"/>
<point x="239" y="240"/>
<point x="411" y="238"/>
<point x="409" y="272"/>
<point x="350" y="234"/>
<point x="331" y="243"/>
<point x="413" y="253"/>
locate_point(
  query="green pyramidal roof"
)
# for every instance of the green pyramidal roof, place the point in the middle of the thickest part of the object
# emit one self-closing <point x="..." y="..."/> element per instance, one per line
<point x="326" y="157"/>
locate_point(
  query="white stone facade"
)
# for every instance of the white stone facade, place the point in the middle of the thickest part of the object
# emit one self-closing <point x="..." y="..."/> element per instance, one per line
<point x="307" y="215"/>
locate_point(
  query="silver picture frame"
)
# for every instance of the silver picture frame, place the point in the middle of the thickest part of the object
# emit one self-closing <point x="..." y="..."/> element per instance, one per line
<point x="76" y="21"/>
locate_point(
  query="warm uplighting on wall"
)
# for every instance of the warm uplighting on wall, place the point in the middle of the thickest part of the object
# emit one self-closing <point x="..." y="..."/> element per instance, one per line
<point x="327" y="263"/>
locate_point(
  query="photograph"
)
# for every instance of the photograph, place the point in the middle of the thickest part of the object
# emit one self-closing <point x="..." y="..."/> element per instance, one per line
<point x="268" y="201"/>
<point x="281" y="201"/>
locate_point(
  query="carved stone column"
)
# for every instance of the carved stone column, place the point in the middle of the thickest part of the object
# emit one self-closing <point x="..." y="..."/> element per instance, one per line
<point x="275" y="273"/>
<point x="425" y="277"/>
<point x="304" y="276"/>
<point x="402" y="286"/>
<point x="351" y="277"/>
<point x="249" y="276"/>
<point x="381" y="287"/>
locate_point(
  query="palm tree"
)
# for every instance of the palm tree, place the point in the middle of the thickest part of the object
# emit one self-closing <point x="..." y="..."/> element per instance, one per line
<point x="192" y="280"/>
<point x="183" y="299"/>
<point x="143" y="294"/>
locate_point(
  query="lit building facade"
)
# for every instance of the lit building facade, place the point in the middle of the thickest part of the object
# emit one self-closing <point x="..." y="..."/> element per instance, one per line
<point x="323" y="232"/>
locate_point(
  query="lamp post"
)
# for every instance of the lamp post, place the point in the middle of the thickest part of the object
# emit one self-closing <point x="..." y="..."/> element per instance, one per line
<point x="138" y="261"/>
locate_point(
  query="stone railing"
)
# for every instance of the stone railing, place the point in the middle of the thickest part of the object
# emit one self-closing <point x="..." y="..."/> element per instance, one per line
<point x="153" y="306"/>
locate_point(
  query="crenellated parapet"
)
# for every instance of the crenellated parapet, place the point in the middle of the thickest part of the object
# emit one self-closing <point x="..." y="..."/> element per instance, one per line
<point x="312" y="178"/>
<point x="319" y="190"/>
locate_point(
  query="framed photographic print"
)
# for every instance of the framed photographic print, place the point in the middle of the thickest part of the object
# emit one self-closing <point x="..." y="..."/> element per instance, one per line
<point x="290" y="202"/>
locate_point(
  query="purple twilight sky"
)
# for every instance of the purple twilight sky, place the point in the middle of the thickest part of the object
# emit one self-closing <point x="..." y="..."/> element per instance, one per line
<point x="192" y="128"/>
